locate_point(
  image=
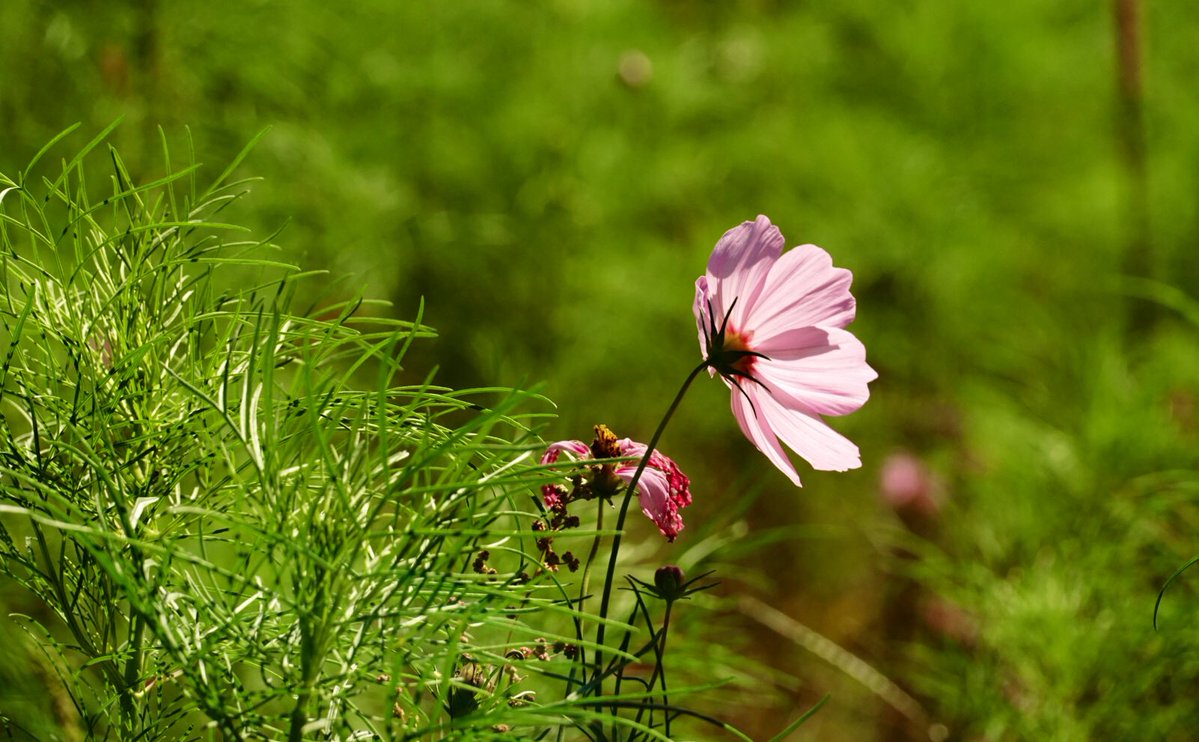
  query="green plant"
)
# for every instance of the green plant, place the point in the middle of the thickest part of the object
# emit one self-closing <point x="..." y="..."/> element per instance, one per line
<point x="225" y="529"/>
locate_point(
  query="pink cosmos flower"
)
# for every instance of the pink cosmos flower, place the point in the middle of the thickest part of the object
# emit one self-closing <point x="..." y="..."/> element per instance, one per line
<point x="662" y="490"/>
<point x="772" y="325"/>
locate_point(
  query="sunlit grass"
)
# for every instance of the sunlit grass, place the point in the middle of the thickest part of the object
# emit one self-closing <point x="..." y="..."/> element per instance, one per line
<point x="226" y="530"/>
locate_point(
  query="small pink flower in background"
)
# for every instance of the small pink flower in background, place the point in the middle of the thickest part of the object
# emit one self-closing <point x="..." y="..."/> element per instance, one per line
<point x="772" y="325"/>
<point x="908" y="486"/>
<point x="663" y="489"/>
<point x="950" y="620"/>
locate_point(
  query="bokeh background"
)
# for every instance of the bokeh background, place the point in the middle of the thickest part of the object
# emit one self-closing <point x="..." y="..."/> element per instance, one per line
<point x="1014" y="185"/>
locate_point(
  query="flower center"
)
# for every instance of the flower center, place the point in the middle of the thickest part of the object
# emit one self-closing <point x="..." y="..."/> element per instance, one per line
<point x="728" y="350"/>
<point x="738" y="350"/>
<point x="605" y="445"/>
<point x="603" y="480"/>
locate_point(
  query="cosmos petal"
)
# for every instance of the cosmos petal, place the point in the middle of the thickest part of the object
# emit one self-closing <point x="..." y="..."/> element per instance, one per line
<point x="653" y="492"/>
<point x="806" y="434"/>
<point x="802" y="289"/>
<point x="678" y="484"/>
<point x="759" y="433"/>
<point x="700" y="309"/>
<point x="817" y="370"/>
<point x="739" y="265"/>
<point x="580" y="450"/>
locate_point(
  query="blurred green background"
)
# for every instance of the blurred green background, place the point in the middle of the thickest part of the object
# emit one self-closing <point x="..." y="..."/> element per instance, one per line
<point x="551" y="176"/>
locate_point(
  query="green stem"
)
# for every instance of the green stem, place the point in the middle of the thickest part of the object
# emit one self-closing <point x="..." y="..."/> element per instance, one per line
<point x="624" y="509"/>
<point x="299" y="712"/>
<point x="580" y="659"/>
<point x="133" y="668"/>
<point x="312" y="645"/>
<point x="660" y="668"/>
<point x="599" y="526"/>
<point x="659" y="645"/>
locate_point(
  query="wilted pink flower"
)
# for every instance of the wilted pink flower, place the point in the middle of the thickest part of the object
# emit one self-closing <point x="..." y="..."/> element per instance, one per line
<point x="662" y="490"/>
<point x="772" y="325"/>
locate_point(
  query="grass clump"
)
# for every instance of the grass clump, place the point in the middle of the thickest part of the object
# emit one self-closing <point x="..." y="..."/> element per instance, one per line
<point x="216" y="525"/>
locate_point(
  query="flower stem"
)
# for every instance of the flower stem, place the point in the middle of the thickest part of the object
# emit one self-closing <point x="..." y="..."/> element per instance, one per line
<point x="595" y="543"/>
<point x="660" y="666"/>
<point x="610" y="578"/>
<point x="599" y="526"/>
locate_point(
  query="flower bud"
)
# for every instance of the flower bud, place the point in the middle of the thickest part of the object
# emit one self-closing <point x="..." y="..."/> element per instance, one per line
<point x="669" y="581"/>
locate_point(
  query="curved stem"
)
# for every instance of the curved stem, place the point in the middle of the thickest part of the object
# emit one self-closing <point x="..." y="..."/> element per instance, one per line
<point x="624" y="509"/>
